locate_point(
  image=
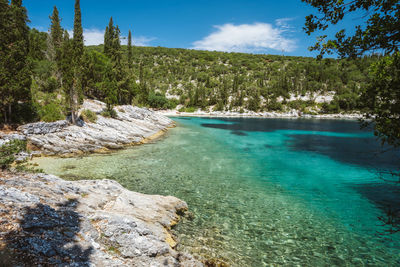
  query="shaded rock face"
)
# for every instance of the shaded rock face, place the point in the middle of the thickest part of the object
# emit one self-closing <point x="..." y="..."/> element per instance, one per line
<point x="47" y="221"/>
<point x="132" y="125"/>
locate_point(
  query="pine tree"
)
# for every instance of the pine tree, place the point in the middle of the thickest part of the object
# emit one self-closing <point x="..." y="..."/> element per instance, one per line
<point x="130" y="54"/>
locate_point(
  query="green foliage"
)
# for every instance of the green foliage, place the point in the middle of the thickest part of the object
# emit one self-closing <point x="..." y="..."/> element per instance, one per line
<point x="51" y="112"/>
<point x="8" y="152"/>
<point x="89" y="116"/>
<point x="379" y="33"/>
<point x="130" y="50"/>
<point x="187" y="109"/>
<point x="158" y="100"/>
<point x="15" y="76"/>
<point x="382" y="99"/>
<point x="37" y="44"/>
<point x="109" y="113"/>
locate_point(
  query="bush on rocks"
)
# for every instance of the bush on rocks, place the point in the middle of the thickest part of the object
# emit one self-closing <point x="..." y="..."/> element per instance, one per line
<point x="89" y="116"/>
<point x="8" y="152"/>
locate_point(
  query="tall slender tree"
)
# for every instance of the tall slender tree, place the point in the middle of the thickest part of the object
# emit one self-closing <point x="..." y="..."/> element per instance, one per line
<point x="109" y="37"/>
<point x="54" y="43"/>
<point x="130" y="54"/>
<point x="15" y="79"/>
<point x="56" y="32"/>
<point x="5" y="39"/>
<point x="78" y="43"/>
<point x="78" y="46"/>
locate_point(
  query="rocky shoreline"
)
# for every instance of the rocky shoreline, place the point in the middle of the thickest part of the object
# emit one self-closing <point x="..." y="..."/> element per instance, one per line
<point x="251" y="114"/>
<point x="48" y="221"/>
<point x="132" y="125"/>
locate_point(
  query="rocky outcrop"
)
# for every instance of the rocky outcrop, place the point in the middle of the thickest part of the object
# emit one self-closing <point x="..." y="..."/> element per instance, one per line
<point x="132" y="125"/>
<point x="47" y="221"/>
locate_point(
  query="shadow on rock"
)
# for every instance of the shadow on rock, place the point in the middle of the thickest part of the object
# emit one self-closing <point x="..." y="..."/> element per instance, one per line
<point x="46" y="236"/>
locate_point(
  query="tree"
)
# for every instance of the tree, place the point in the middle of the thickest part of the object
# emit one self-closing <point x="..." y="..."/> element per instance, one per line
<point x="382" y="99"/>
<point x="381" y="33"/>
<point x="54" y="44"/>
<point x="15" y="79"/>
<point x="109" y="37"/>
<point x="130" y="54"/>
<point x="78" y="46"/>
<point x="56" y="32"/>
<point x="66" y="69"/>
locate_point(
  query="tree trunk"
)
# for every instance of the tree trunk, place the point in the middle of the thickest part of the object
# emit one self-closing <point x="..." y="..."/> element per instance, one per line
<point x="5" y="116"/>
<point x="73" y="105"/>
<point x="9" y="112"/>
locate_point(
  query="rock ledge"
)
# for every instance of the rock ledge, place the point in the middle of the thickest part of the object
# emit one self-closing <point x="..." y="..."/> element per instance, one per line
<point x="45" y="220"/>
<point x="132" y="125"/>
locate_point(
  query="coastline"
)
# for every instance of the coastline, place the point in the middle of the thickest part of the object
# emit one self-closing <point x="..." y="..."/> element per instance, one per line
<point x="131" y="126"/>
<point x="280" y="115"/>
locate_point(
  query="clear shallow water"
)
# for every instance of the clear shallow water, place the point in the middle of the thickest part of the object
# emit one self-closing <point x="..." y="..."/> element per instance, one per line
<point x="263" y="191"/>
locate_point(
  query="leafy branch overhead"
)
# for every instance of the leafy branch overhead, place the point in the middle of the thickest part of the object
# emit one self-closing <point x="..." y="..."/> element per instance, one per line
<point x="381" y="32"/>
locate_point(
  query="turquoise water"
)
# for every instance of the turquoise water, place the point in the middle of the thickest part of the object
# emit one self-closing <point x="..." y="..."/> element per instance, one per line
<point x="264" y="192"/>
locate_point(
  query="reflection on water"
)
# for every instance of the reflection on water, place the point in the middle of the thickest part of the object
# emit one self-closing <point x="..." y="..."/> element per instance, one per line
<point x="262" y="192"/>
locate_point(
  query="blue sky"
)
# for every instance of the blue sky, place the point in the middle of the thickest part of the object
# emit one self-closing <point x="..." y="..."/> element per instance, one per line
<point x="252" y="26"/>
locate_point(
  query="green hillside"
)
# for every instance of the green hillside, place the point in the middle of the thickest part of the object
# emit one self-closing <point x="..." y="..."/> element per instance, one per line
<point x="163" y="78"/>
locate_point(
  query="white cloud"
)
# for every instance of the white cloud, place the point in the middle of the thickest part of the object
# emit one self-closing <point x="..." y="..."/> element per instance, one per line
<point x="138" y="41"/>
<point x="249" y="38"/>
<point x="96" y="37"/>
<point x="283" y="24"/>
<point x="93" y="36"/>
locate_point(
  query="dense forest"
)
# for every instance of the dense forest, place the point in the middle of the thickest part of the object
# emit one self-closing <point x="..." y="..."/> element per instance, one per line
<point x="53" y="73"/>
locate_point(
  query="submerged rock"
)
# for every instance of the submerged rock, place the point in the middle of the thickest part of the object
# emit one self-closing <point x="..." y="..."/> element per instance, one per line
<point x="132" y="125"/>
<point x="45" y="220"/>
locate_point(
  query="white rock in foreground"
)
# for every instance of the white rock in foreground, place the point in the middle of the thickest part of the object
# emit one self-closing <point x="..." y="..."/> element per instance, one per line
<point x="47" y="221"/>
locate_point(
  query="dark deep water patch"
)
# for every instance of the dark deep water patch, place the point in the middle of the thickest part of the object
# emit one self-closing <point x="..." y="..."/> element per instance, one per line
<point x="366" y="152"/>
<point x="269" y="125"/>
<point x="362" y="148"/>
<point x="239" y="133"/>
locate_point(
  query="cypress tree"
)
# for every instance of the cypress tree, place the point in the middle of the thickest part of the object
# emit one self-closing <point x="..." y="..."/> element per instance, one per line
<point x="78" y="33"/>
<point x="78" y="46"/>
<point x="109" y="37"/>
<point x="106" y="41"/>
<point x="15" y="79"/>
<point x="65" y="67"/>
<point x="130" y="50"/>
<point x="56" y="32"/>
<point x="5" y="39"/>
<point x="54" y="44"/>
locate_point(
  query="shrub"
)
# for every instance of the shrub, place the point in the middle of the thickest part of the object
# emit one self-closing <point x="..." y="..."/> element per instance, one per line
<point x="109" y="113"/>
<point x="89" y="116"/>
<point x="187" y="109"/>
<point x="8" y="152"/>
<point x="51" y="112"/>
